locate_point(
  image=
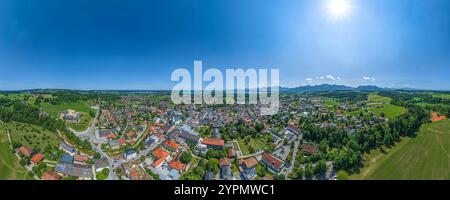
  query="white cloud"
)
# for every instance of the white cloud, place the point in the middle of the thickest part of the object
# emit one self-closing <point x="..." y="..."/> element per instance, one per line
<point x="368" y="78"/>
<point x="309" y="79"/>
<point x="330" y="77"/>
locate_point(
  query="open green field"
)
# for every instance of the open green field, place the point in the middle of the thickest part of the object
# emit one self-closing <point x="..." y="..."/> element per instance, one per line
<point x="444" y="96"/>
<point x="55" y="110"/>
<point x="390" y="111"/>
<point x="331" y="103"/>
<point x="380" y="104"/>
<point x="10" y="169"/>
<point x="377" y="99"/>
<point x="31" y="136"/>
<point x="255" y="143"/>
<point x="427" y="156"/>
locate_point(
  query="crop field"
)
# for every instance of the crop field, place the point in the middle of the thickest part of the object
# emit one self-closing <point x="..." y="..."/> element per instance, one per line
<point x="426" y="156"/>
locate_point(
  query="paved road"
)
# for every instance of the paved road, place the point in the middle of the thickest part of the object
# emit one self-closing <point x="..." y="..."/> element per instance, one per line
<point x="294" y="156"/>
<point x="91" y="128"/>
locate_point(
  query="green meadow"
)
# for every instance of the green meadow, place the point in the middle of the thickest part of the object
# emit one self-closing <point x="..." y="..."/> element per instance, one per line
<point x="55" y="110"/>
<point x="424" y="157"/>
<point x="10" y="169"/>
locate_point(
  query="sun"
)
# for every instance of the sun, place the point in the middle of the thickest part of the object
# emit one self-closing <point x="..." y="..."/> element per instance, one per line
<point x="339" y="9"/>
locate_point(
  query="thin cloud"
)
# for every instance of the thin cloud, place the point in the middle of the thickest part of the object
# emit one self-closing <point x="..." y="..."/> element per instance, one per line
<point x="368" y="78"/>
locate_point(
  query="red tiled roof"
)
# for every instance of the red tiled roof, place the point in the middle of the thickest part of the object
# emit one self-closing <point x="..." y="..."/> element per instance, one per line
<point x="230" y="153"/>
<point x="25" y="151"/>
<point x="307" y="148"/>
<point x="177" y="165"/>
<point x="129" y="134"/>
<point x="171" y="144"/>
<point x="37" y="158"/>
<point x="213" y="142"/>
<point x="50" y="176"/>
<point x="272" y="160"/>
<point x="121" y="141"/>
<point x="250" y="162"/>
<point x="133" y="173"/>
<point x="435" y="117"/>
<point x="161" y="156"/>
<point x="223" y="162"/>
<point x="80" y="158"/>
<point x="159" y="135"/>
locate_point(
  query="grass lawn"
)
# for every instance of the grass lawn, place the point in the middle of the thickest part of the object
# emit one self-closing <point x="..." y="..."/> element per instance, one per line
<point x="31" y="136"/>
<point x="254" y="143"/>
<point x="331" y="103"/>
<point x="424" y="157"/>
<point x="390" y="111"/>
<point x="55" y="110"/>
<point x="10" y="169"/>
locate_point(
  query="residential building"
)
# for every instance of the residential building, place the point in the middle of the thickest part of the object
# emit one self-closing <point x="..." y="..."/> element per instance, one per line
<point x="78" y="170"/>
<point x="272" y="162"/>
<point x="213" y="143"/>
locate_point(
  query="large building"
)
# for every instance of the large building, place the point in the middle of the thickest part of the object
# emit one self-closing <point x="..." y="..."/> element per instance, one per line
<point x="213" y="143"/>
<point x="272" y="162"/>
<point x="78" y="170"/>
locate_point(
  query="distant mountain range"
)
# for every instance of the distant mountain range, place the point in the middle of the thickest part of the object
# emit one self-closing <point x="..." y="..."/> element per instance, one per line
<point x="332" y="88"/>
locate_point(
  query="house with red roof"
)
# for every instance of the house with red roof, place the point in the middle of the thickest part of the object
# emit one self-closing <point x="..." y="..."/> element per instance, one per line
<point x="272" y="162"/>
<point x="25" y="151"/>
<point x="121" y="141"/>
<point x="161" y="156"/>
<point x="80" y="158"/>
<point x="37" y="158"/>
<point x="309" y="149"/>
<point x="213" y="143"/>
<point x="172" y="145"/>
<point x="177" y="165"/>
<point x="50" y="176"/>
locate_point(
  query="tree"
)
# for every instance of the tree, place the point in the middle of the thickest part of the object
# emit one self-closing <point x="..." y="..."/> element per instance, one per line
<point x="342" y="175"/>
<point x="213" y="165"/>
<point x="186" y="157"/>
<point x="279" y="177"/>
<point x="309" y="171"/>
<point x="321" y="167"/>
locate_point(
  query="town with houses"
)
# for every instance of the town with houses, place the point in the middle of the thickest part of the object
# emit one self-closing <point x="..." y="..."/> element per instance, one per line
<point x="146" y="137"/>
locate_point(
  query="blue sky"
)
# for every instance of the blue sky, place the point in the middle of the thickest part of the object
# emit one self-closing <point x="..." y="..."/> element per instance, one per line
<point x="115" y="44"/>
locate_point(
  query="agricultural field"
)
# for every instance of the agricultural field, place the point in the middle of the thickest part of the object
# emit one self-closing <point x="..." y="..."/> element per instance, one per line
<point x="377" y="99"/>
<point x="426" y="156"/>
<point x="389" y="110"/>
<point x="31" y="136"/>
<point x="379" y="104"/>
<point x="10" y="169"/>
<point x="55" y="110"/>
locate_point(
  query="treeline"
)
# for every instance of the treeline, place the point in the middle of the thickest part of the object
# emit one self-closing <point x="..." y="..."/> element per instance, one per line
<point x="349" y="96"/>
<point x="351" y="146"/>
<point x="14" y="110"/>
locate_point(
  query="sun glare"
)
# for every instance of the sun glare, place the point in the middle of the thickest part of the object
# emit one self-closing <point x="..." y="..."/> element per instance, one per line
<point x="339" y="9"/>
